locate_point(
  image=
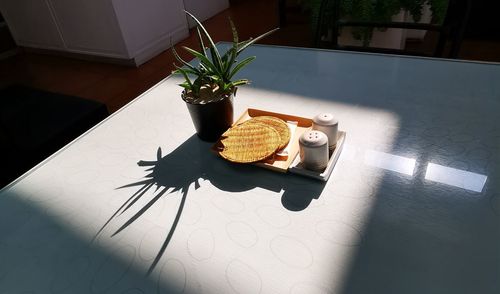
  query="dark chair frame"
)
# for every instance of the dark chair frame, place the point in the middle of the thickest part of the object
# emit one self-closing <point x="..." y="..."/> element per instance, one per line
<point x="282" y="13"/>
<point x="453" y="28"/>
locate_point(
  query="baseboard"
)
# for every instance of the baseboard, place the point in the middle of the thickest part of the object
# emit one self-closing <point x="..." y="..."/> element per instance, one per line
<point x="142" y="55"/>
<point x="8" y="53"/>
<point x="82" y="56"/>
<point x="156" y="47"/>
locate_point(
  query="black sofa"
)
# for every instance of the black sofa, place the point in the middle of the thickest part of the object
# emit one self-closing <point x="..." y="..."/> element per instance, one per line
<point x="34" y="124"/>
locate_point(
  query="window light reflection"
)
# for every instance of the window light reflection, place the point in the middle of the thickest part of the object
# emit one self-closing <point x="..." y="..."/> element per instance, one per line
<point x="391" y="162"/>
<point x="455" y="177"/>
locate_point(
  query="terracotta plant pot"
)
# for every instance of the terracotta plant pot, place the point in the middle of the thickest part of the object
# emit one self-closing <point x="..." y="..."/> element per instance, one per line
<point x="212" y="119"/>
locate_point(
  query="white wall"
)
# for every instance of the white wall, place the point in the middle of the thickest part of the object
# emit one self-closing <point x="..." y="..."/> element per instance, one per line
<point x="31" y="23"/>
<point x="89" y="26"/>
<point x="126" y="29"/>
<point x="148" y="25"/>
<point x="204" y="9"/>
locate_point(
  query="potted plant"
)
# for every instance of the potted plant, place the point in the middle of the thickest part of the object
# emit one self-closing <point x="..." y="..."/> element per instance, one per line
<point x="210" y="86"/>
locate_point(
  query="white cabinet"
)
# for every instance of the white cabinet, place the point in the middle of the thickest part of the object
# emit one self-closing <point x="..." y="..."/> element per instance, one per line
<point x="132" y="30"/>
<point x="150" y="26"/>
<point x="89" y="26"/>
<point x="32" y="23"/>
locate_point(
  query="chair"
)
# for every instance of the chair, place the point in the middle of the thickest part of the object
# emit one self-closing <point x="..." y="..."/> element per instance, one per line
<point x="34" y="124"/>
<point x="452" y="28"/>
<point x="282" y="13"/>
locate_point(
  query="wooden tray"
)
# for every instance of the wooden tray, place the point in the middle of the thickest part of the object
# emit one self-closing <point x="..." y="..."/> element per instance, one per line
<point x="303" y="124"/>
<point x="292" y="162"/>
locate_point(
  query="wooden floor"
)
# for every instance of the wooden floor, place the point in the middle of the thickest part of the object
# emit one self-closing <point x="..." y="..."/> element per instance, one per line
<point x="116" y="85"/>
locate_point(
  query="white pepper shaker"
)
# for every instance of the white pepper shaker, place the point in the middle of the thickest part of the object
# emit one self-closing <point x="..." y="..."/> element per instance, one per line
<point x="326" y="123"/>
<point x="314" y="150"/>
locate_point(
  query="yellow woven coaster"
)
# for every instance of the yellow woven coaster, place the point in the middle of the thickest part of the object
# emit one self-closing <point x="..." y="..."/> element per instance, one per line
<point x="247" y="143"/>
<point x="276" y="123"/>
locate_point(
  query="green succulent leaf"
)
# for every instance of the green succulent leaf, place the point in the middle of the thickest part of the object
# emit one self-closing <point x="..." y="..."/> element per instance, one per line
<point x="233" y="52"/>
<point x="186" y="86"/>
<point x="213" y="70"/>
<point x="240" y="65"/>
<point x="198" y="83"/>
<point x="251" y="41"/>
<point x="215" y="78"/>
<point x="234" y="31"/>
<point x="203" y="59"/>
<point x="238" y="83"/>
<point x="185" y="75"/>
<point x="200" y="41"/>
<point x="192" y="72"/>
<point x="187" y="64"/>
<point x="213" y="49"/>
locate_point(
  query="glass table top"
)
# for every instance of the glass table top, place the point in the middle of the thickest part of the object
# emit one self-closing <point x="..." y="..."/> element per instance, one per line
<point x="140" y="205"/>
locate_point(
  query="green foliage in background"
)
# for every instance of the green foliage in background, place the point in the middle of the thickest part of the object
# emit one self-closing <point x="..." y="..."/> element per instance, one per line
<point x="375" y="10"/>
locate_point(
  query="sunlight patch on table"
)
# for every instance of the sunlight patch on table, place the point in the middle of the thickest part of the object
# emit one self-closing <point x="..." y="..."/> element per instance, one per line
<point x="390" y="162"/>
<point x="455" y="177"/>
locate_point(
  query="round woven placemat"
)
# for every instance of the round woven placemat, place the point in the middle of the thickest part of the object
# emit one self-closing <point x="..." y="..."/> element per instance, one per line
<point x="276" y="123"/>
<point x="247" y="143"/>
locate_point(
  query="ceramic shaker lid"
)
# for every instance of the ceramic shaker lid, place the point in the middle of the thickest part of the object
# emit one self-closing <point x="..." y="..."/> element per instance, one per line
<point x="313" y="139"/>
<point x="325" y="119"/>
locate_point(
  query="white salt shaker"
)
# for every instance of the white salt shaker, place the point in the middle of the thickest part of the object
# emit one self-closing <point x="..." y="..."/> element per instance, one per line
<point x="314" y="150"/>
<point x="326" y="123"/>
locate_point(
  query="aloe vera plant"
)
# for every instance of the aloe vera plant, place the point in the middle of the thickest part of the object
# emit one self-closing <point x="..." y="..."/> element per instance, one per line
<point x="212" y="80"/>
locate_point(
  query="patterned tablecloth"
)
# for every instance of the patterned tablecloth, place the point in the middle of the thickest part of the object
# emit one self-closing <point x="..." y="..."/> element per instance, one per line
<point x="139" y="204"/>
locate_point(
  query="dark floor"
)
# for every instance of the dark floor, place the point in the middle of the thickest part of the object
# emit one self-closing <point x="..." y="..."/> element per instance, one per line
<point x="115" y="85"/>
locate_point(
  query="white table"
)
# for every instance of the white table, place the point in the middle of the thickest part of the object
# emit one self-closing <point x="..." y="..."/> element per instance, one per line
<point x="413" y="205"/>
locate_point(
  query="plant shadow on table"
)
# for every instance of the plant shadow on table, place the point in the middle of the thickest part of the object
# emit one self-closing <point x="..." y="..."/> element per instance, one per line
<point x="193" y="161"/>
